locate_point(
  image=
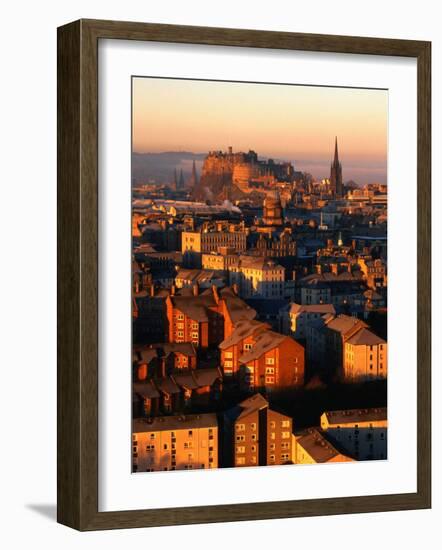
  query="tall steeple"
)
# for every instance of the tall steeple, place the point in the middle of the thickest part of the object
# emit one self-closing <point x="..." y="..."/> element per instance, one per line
<point x="193" y="182"/>
<point x="181" y="182"/>
<point x="336" y="173"/>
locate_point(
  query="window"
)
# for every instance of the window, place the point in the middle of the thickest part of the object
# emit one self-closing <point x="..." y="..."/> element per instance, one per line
<point x="285" y="435"/>
<point x="285" y="456"/>
<point x="272" y="446"/>
<point x="240" y="427"/>
<point x="273" y="424"/>
<point x="272" y="458"/>
<point x="240" y="449"/>
<point x="152" y="436"/>
<point x="240" y="438"/>
<point x="285" y="445"/>
<point x="195" y="335"/>
<point x="270" y="361"/>
<point x="150" y="448"/>
<point x="228" y="355"/>
<point x="190" y="433"/>
<point x="165" y="446"/>
<point x="253" y="426"/>
<point x="285" y="423"/>
<point x="247" y="346"/>
<point x="270" y="379"/>
<point x="253" y="437"/>
<point x="240" y="460"/>
<point x="180" y="317"/>
<point x="270" y="370"/>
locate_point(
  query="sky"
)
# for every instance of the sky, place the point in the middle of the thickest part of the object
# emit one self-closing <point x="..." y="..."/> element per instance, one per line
<point x="285" y="122"/>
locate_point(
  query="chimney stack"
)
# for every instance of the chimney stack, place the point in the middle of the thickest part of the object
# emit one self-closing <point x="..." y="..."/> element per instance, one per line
<point x="195" y="289"/>
<point x="152" y="291"/>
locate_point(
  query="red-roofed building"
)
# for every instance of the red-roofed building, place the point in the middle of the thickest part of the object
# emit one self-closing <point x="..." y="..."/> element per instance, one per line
<point x="205" y="318"/>
<point x="262" y="358"/>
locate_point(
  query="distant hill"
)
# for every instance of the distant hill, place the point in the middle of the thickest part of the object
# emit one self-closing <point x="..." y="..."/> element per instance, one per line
<point x="159" y="167"/>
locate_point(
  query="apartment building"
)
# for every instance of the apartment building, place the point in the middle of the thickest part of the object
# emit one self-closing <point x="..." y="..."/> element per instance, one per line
<point x="365" y="356"/>
<point x="359" y="433"/>
<point x="260" y="357"/>
<point x="255" y="435"/>
<point x="205" y="318"/>
<point x="175" y="443"/>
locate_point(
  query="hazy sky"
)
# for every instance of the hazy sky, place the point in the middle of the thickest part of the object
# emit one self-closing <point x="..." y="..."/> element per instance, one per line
<point x="296" y="123"/>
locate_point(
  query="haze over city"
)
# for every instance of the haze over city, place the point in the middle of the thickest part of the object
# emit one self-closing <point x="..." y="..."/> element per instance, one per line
<point x="287" y="122"/>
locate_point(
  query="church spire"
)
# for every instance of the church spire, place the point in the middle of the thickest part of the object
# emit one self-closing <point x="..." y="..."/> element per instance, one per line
<point x="181" y="182"/>
<point x="336" y="174"/>
<point x="336" y="150"/>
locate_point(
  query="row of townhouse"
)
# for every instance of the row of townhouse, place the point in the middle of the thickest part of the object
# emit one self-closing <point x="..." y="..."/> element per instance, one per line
<point x="176" y="392"/>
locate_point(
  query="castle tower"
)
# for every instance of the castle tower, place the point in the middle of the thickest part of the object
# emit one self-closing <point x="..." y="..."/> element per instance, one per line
<point x="336" y="174"/>
<point x="272" y="214"/>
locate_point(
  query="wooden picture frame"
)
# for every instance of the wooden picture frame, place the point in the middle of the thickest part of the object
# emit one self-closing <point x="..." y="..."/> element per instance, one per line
<point x="78" y="274"/>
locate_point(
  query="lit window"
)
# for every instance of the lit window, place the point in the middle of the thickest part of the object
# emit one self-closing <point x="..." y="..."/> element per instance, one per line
<point x="285" y="435"/>
<point x="240" y="427"/>
<point x="270" y="361"/>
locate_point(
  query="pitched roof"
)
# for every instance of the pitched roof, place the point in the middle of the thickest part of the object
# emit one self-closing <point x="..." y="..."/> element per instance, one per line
<point x="160" y="423"/>
<point x="206" y="377"/>
<point x="236" y="307"/>
<point x="167" y="385"/>
<point x="365" y="337"/>
<point x="194" y="307"/>
<point x="186" y="380"/>
<point x="185" y="348"/>
<point x="252" y="404"/>
<point x="316" y="445"/>
<point x="351" y="416"/>
<point x="343" y="323"/>
<point x="265" y="341"/>
<point x="313" y="308"/>
<point x="243" y="329"/>
<point x="146" y="390"/>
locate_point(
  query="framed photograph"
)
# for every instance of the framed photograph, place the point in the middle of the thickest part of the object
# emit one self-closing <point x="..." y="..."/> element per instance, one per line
<point x="243" y="275"/>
